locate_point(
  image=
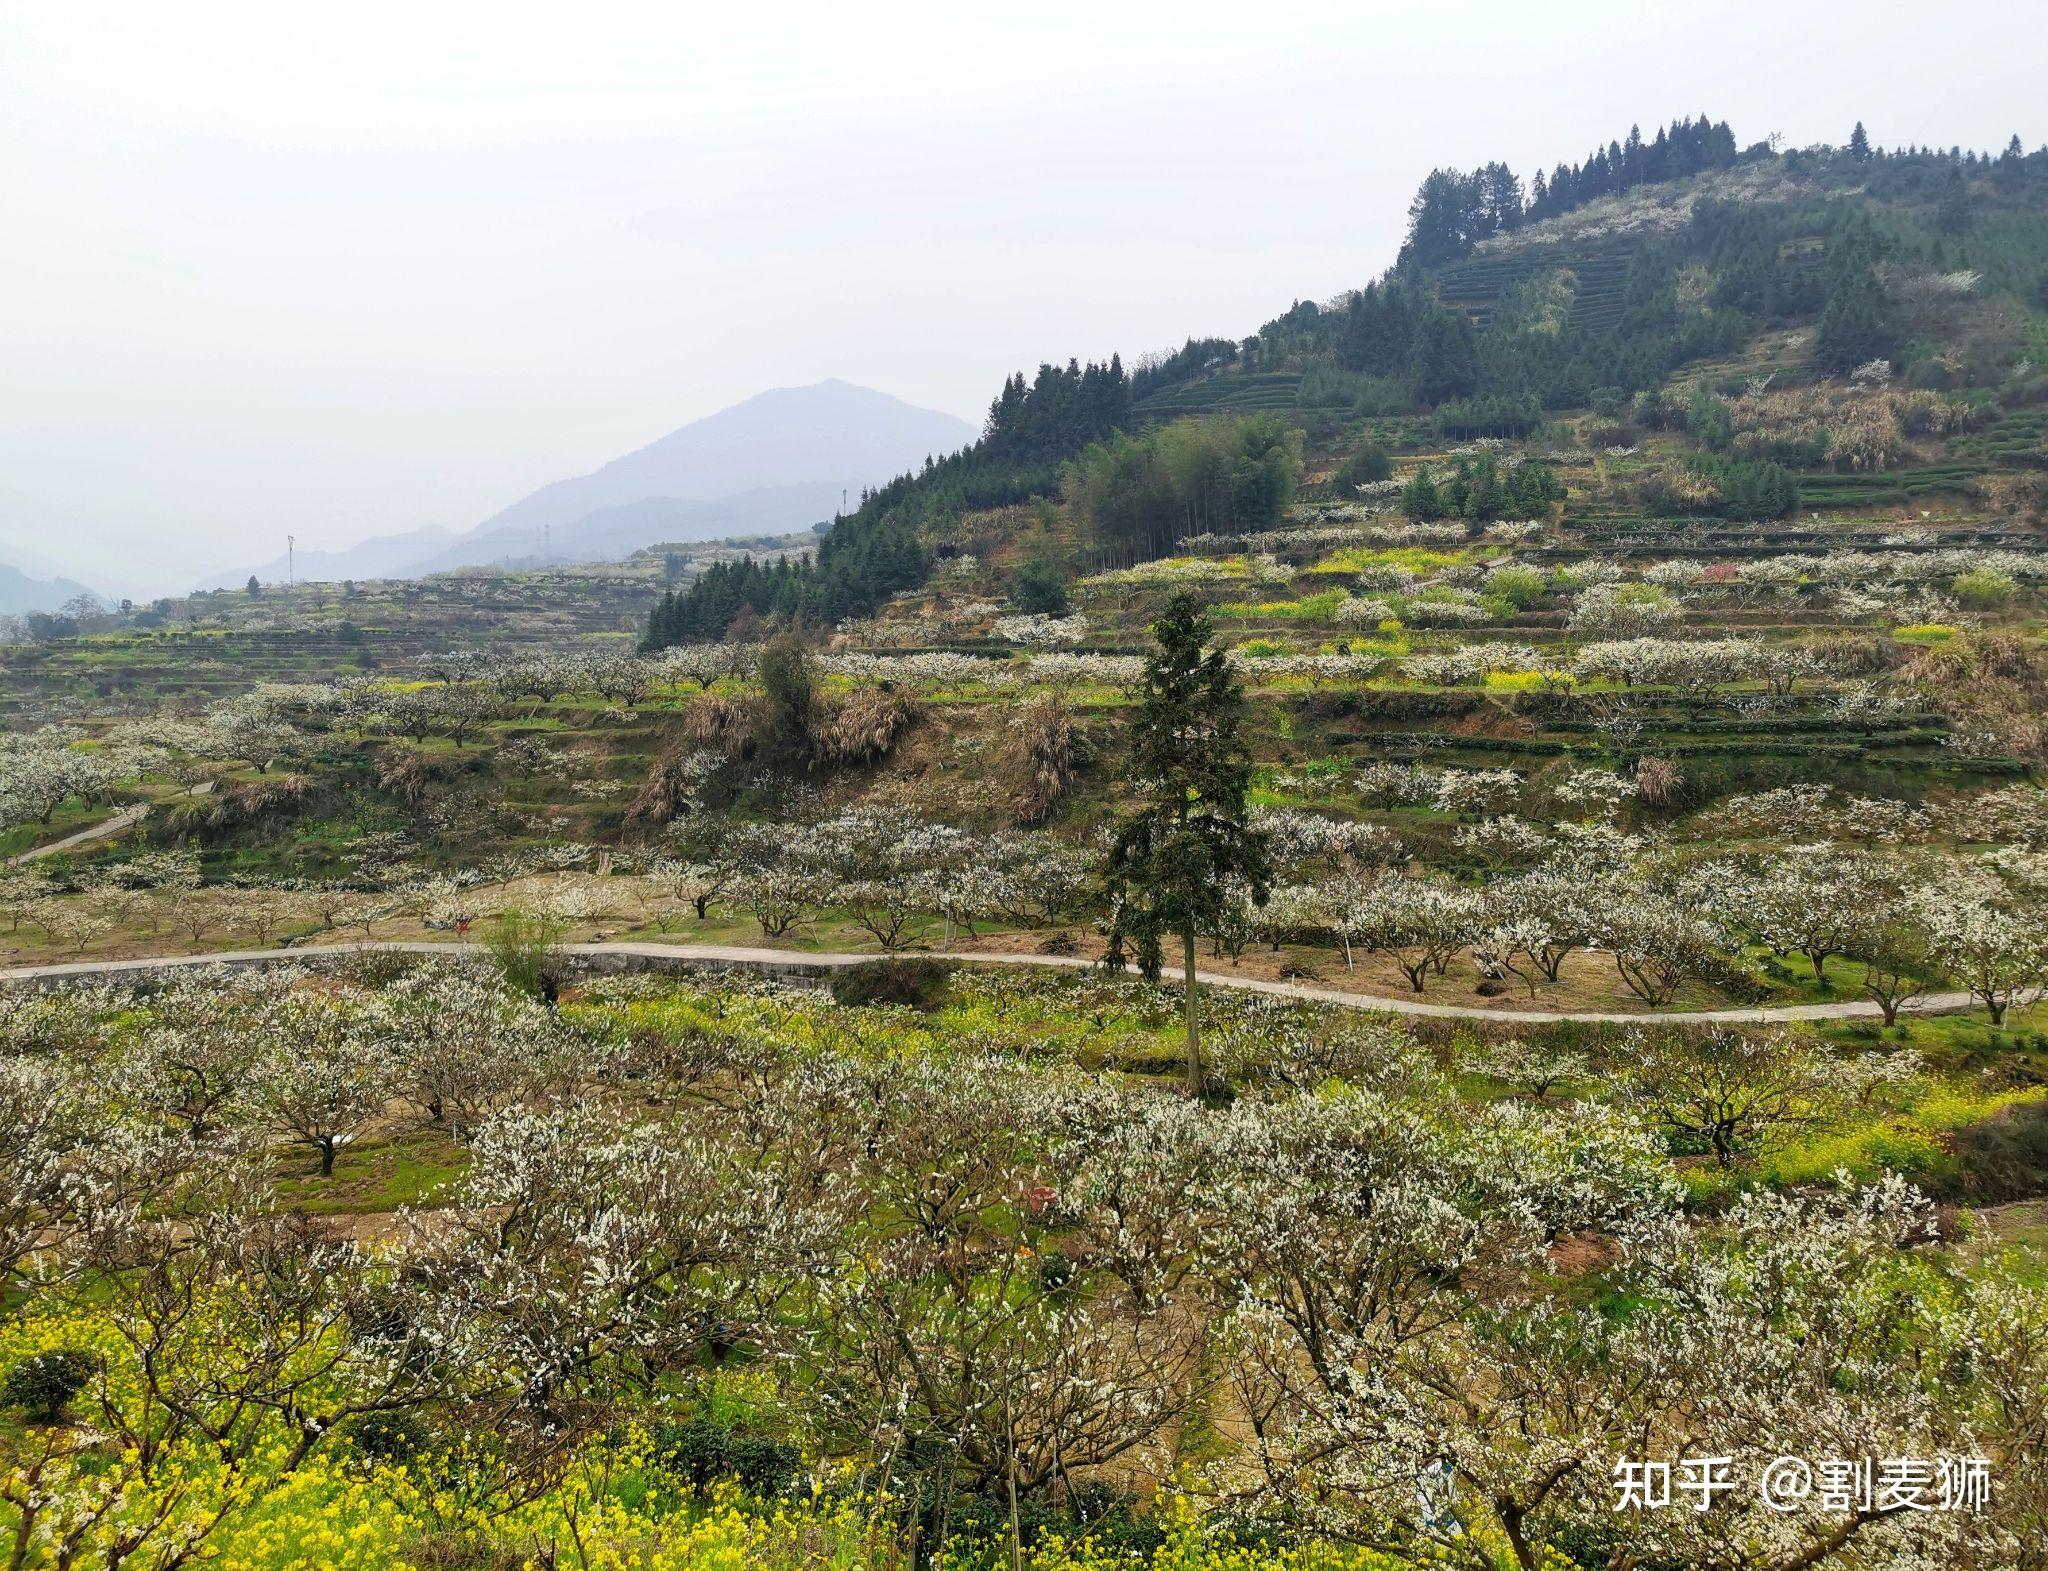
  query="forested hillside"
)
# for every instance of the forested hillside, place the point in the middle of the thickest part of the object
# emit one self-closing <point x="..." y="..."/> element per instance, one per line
<point x="1590" y="287"/>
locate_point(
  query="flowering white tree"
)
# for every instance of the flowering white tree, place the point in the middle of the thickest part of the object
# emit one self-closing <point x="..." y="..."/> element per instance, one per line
<point x="248" y="728"/>
<point x="1348" y="1254"/>
<point x="1659" y="940"/>
<point x="780" y="896"/>
<point x="577" y="1239"/>
<point x="884" y="865"/>
<point x="325" y="1073"/>
<point x="1599" y="792"/>
<point x="1419" y="923"/>
<point x="1738" y="1093"/>
<point x="197" y="1051"/>
<point x="41" y="770"/>
<point x="1807" y="900"/>
<point x="1778" y="1332"/>
<point x="462" y="1046"/>
<point x="1987" y="934"/>
<point x="1501" y="841"/>
<point x="1624" y="611"/>
<point x="966" y="1335"/>
<point x="39" y="1119"/>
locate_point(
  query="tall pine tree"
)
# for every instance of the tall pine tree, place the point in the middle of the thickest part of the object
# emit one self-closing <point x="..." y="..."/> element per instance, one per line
<point x="1174" y="859"/>
<point x="1444" y="362"/>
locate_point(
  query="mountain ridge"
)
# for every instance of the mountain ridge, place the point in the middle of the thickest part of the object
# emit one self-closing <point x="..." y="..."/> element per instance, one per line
<point x="770" y="464"/>
<point x="21" y="593"/>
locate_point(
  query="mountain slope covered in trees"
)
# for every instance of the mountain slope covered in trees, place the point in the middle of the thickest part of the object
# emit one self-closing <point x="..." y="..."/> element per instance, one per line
<point x="1591" y="286"/>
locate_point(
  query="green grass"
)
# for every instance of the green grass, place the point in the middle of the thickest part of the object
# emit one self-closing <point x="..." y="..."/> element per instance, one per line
<point x="373" y="1175"/>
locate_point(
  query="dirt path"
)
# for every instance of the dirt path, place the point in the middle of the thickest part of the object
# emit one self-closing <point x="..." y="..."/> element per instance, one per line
<point x="794" y="962"/>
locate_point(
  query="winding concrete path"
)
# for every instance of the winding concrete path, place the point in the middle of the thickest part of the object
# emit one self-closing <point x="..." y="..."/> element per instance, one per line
<point x="797" y="963"/>
<point x="126" y="818"/>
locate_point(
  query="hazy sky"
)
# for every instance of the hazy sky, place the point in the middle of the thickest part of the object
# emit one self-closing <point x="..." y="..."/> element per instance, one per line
<point x="344" y="270"/>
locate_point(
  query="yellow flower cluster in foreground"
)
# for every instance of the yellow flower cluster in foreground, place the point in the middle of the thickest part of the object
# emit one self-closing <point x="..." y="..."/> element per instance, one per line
<point x="269" y="1510"/>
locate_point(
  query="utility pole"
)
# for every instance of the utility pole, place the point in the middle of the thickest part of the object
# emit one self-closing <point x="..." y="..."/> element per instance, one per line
<point x="291" y="561"/>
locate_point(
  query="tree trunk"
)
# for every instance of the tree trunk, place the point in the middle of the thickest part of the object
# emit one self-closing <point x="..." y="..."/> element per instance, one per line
<point x="1188" y="989"/>
<point x="1016" y="1526"/>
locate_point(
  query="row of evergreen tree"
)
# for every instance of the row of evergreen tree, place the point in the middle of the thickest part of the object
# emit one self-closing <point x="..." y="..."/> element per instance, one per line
<point x="1685" y="147"/>
<point x="1481" y="491"/>
<point x="1453" y="211"/>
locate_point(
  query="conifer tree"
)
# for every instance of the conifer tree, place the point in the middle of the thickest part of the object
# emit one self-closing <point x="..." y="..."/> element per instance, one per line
<point x="1444" y="362"/>
<point x="1860" y="324"/>
<point x="1953" y="214"/>
<point x="1174" y="859"/>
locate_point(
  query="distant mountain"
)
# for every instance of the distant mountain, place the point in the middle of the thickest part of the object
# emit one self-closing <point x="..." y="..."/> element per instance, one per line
<point x="27" y="527"/>
<point x="385" y="556"/>
<point x="775" y="463"/>
<point x="834" y="432"/>
<point x="20" y="593"/>
<point x="617" y="531"/>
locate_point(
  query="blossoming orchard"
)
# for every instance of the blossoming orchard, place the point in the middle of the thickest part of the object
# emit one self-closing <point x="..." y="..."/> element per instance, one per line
<point x="1418" y="942"/>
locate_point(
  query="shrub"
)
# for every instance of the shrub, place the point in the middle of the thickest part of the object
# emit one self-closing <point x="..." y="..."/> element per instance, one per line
<point x="43" y="1385"/>
<point x="915" y="984"/>
<point x="527" y="951"/>
<point x="789" y="679"/>
<point x="867" y="725"/>
<point x="667" y="792"/>
<point x="1520" y="587"/>
<point x="1040" y="586"/>
<point x="1984" y="588"/>
<point x="701" y="1451"/>
<point x="1753" y="491"/>
<point x="1368" y="466"/>
<point x="238" y="806"/>
<point x="377" y="968"/>
<point x="1042" y="759"/>
<point x="2005" y="1156"/>
<point x="396" y="1439"/>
